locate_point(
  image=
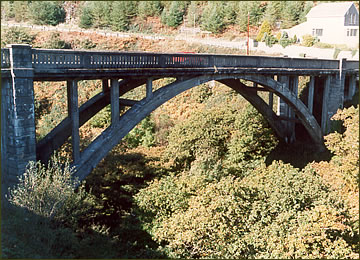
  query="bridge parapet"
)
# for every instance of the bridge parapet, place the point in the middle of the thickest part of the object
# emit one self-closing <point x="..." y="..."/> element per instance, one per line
<point x="71" y="59"/>
<point x="5" y="58"/>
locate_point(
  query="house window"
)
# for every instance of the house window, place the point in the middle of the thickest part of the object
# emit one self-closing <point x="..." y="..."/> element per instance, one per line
<point x="352" y="18"/>
<point x="351" y="32"/>
<point x="317" y="32"/>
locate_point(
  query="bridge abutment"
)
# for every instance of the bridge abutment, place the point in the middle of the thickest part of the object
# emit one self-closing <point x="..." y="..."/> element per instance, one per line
<point x="18" y="140"/>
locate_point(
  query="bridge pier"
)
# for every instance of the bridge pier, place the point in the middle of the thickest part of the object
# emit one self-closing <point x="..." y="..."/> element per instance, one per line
<point x="283" y="109"/>
<point x="18" y="140"/>
<point x="73" y="113"/>
<point x="349" y="87"/>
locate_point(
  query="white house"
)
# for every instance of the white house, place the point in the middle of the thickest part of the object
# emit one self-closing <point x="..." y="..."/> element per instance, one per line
<point x="335" y="23"/>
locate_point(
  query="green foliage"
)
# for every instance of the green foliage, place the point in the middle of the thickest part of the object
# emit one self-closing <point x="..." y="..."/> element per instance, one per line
<point x="285" y="40"/>
<point x="47" y="12"/>
<point x="149" y="8"/>
<point x="264" y="28"/>
<point x="97" y="14"/>
<point x="173" y="15"/>
<point x="86" y="17"/>
<point x="7" y="10"/>
<point x="50" y="192"/>
<point x="102" y="119"/>
<point x="16" y="35"/>
<point x="205" y="132"/>
<point x="274" y="212"/>
<point x="308" y="40"/>
<point x="121" y="14"/>
<point x="213" y="17"/>
<point x="336" y="53"/>
<point x="251" y="139"/>
<point x="269" y="40"/>
<point x="218" y="133"/>
<point x="17" y="10"/>
<point x="194" y="11"/>
<point x="254" y="8"/>
<point x="344" y="145"/>
<point x="273" y="12"/>
<point x="55" y="42"/>
<point x="142" y="134"/>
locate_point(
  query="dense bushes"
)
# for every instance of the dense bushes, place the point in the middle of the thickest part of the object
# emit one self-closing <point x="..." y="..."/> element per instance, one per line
<point x="47" y="12"/>
<point x="50" y="192"/>
<point x="17" y="35"/>
<point x="274" y="212"/>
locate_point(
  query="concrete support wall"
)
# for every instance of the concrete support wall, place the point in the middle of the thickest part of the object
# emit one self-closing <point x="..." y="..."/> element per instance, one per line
<point x="351" y="88"/>
<point x="333" y="100"/>
<point x="18" y="140"/>
<point x="283" y="109"/>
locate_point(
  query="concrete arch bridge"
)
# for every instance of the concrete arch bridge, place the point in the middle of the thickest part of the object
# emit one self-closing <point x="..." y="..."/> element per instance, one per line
<point x="332" y="82"/>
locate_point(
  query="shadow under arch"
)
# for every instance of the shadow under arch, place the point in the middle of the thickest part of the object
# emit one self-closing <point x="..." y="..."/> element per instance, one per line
<point x="110" y="137"/>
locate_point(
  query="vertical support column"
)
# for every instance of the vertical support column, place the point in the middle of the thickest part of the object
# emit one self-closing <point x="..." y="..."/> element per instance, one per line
<point x="325" y="100"/>
<point x="18" y="139"/>
<point x="342" y="75"/>
<point x="293" y="86"/>
<point x="282" y="107"/>
<point x="271" y="100"/>
<point x="73" y="110"/>
<point x="271" y="97"/>
<point x="105" y="85"/>
<point x="149" y="92"/>
<point x="255" y="85"/>
<point x="352" y="87"/>
<point x="114" y="96"/>
<point x="310" y="101"/>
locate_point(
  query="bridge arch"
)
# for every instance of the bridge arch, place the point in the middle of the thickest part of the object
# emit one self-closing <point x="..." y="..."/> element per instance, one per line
<point x="98" y="149"/>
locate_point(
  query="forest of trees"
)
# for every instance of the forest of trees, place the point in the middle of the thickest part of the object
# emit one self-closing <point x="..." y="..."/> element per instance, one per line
<point x="203" y="176"/>
<point x="213" y="16"/>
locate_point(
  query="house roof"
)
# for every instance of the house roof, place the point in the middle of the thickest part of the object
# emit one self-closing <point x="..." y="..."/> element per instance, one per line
<point x="329" y="9"/>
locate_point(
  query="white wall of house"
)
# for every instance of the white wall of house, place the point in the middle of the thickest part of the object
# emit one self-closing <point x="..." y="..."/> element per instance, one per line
<point x="341" y="28"/>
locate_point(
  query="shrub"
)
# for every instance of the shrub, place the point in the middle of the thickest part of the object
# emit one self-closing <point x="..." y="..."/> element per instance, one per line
<point x="264" y="28"/>
<point x="336" y="53"/>
<point x="269" y="40"/>
<point x="308" y="40"/>
<point x="55" y="42"/>
<point x="17" y="35"/>
<point x="284" y="40"/>
<point x="142" y="134"/>
<point x="50" y="192"/>
<point x="47" y="12"/>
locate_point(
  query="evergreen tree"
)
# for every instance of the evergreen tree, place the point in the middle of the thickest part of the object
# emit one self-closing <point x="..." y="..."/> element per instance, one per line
<point x="174" y="15"/>
<point x="230" y="12"/>
<point x="86" y="18"/>
<point x="47" y="12"/>
<point x="149" y="8"/>
<point x="193" y="13"/>
<point x="273" y="12"/>
<point x="254" y="9"/>
<point x="100" y="11"/>
<point x="264" y="28"/>
<point x="213" y="17"/>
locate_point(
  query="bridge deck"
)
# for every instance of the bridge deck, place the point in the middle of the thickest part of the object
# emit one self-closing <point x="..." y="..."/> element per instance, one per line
<point x="70" y="64"/>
